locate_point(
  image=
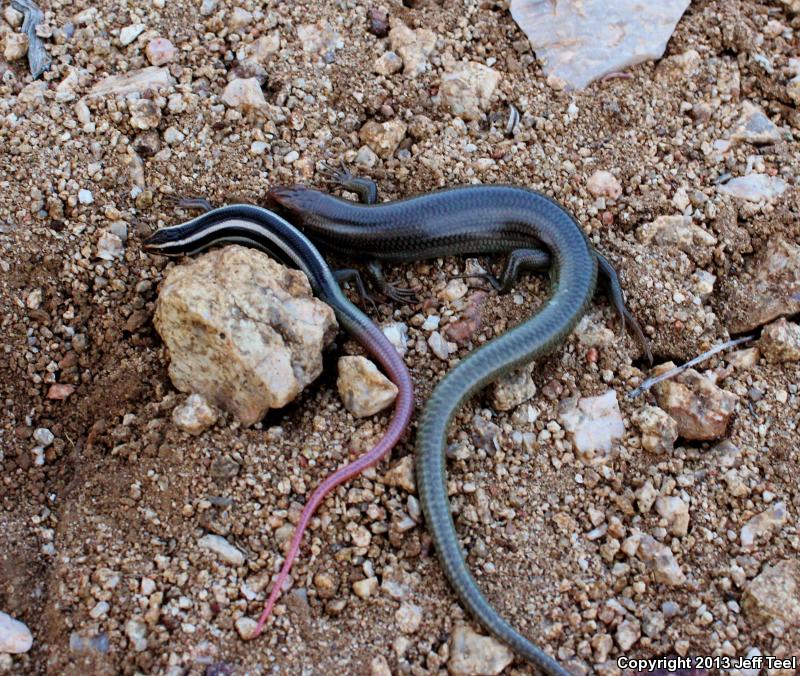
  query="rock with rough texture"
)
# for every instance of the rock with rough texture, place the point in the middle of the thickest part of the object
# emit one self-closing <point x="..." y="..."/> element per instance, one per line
<point x="768" y="291"/>
<point x="512" y="389"/>
<point x="473" y="654"/>
<point x="595" y="423"/>
<point x="383" y="137"/>
<point x="363" y="388"/>
<point x="145" y="114"/>
<point x="195" y="415"/>
<point x="659" y="429"/>
<point x="16" y="46"/>
<point x="604" y="184"/>
<point x="701" y="409"/>
<point x="387" y="63"/>
<point x="755" y="127"/>
<point x="245" y="627"/>
<point x="763" y="525"/>
<point x="242" y="330"/>
<point x="152" y="78"/>
<point x="676" y="513"/>
<point x="413" y="46"/>
<point x="244" y="93"/>
<point x="661" y="561"/>
<point x="582" y="40"/>
<point x="222" y="548"/>
<point x="775" y="594"/>
<point x="319" y="38"/>
<point x="754" y="187"/>
<point x="129" y="33"/>
<point x="467" y="89"/>
<point x="780" y="341"/>
<point x="679" y="232"/>
<point x="15" y="637"/>
<point x="408" y="617"/>
<point x="160" y="51"/>
<point x="402" y="474"/>
<point x="136" y="631"/>
<point x="397" y="333"/>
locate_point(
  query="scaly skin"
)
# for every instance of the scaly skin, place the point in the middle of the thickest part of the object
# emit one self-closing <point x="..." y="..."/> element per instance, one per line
<point x="468" y="220"/>
<point x="259" y="228"/>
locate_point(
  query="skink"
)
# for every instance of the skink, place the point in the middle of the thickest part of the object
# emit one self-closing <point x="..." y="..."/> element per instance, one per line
<point x="256" y="227"/>
<point x="467" y="220"/>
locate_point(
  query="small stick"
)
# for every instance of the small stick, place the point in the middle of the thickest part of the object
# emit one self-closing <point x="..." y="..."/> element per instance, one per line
<point x="647" y="384"/>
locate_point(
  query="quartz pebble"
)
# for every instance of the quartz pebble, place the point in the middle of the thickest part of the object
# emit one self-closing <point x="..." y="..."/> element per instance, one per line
<point x="244" y="93"/>
<point x="661" y="560"/>
<point x="413" y="46"/>
<point x="364" y="390"/>
<point x="700" y="408"/>
<point x="604" y="184"/>
<point x="676" y="513"/>
<point x="366" y="587"/>
<point x="245" y="627"/>
<point x="408" y="617"/>
<point x="216" y="544"/>
<point x="128" y="34"/>
<point x="224" y="317"/>
<point x="755" y="127"/>
<point x="397" y="333"/>
<point x="754" y="187"/>
<point x="195" y="415"/>
<point x="595" y="424"/>
<point x="15" y="637"/>
<point x="160" y="51"/>
<point x="402" y="474"/>
<point x="387" y="63"/>
<point x="152" y="78"/>
<point x="763" y="525"/>
<point x="472" y="653"/>
<point x="467" y="89"/>
<point x="581" y="40"/>
<point x="780" y="341"/>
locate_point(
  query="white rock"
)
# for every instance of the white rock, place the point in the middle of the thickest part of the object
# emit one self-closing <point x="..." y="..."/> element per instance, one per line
<point x="208" y="7"/>
<point x="472" y="654"/>
<point x="455" y="289"/>
<point x="659" y="429"/>
<point x="244" y="93"/>
<point x="645" y="497"/>
<point x="195" y="415"/>
<point x="242" y="330"/>
<point x="13" y="17"/>
<point x="383" y="137"/>
<point x="100" y="609"/>
<point x="110" y="246"/>
<point x="136" y="631"/>
<point x="661" y="560"/>
<point x="173" y="136"/>
<point x="160" y="51"/>
<point x="402" y="474"/>
<point x="408" y="617"/>
<point x="43" y="436"/>
<point x="262" y="49"/>
<point x="628" y="633"/>
<point x="128" y="34"/>
<point x="15" y="637"/>
<point x="679" y="232"/>
<point x="754" y="187"/>
<point x="366" y="157"/>
<point x="676" y="513"/>
<point x="245" y="627"/>
<point x="763" y="525"/>
<point x="440" y="346"/>
<point x="413" y="46"/>
<point x="319" y="37"/>
<point x="258" y="147"/>
<point x="145" y="114"/>
<point x="512" y="389"/>
<point x="774" y="595"/>
<point x="85" y="196"/>
<point x="16" y="46"/>
<point x="397" y="333"/>
<point x="582" y="40"/>
<point x="780" y="341"/>
<point x="387" y="63"/>
<point x="239" y="18"/>
<point x="363" y="388"/>
<point x="755" y="127"/>
<point x="152" y="78"/>
<point x="366" y="587"/>
<point x="604" y="184"/>
<point x="595" y="424"/>
<point x="222" y="548"/>
<point x="467" y="89"/>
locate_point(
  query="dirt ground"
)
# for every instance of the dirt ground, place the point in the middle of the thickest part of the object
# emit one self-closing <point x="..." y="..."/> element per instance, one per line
<point x="114" y="512"/>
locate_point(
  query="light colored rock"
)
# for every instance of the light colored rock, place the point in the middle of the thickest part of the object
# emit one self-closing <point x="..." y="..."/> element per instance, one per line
<point x="793" y="86"/>
<point x="387" y="63"/>
<point x="239" y="18"/>
<point x="15" y="637"/>
<point x="768" y="292"/>
<point x="43" y="436"/>
<point x="701" y="409"/>
<point x="679" y="232"/>
<point x="679" y="67"/>
<point x="13" y="17"/>
<point x="33" y="94"/>
<point x="408" y="617"/>
<point x="582" y="40"/>
<point x="242" y="330"/>
<point x="245" y="627"/>
<point x="413" y="46"/>
<point x="383" y="137"/>
<point x="110" y="246"/>
<point x="366" y="587"/>
<point x="676" y="513"/>
<point x="397" y="333"/>
<point x="160" y="51"/>
<point x="646" y="496"/>
<point x="763" y="525"/>
<point x="755" y="127"/>
<point x="152" y="78"/>
<point x="85" y="196"/>
<point x="195" y="415"/>
<point x="379" y="666"/>
<point x="628" y="633"/>
<point x="16" y="46"/>
<point x="780" y="341"/>
<point x="319" y="37"/>
<point x="604" y="184"/>
<point x="592" y="331"/>
<point x="661" y="561"/>
<point x="659" y="429"/>
<point x="512" y="389"/>
<point x="136" y="631"/>
<point x="128" y="34"/>
<point x="775" y="594"/>
<point x="754" y="187"/>
<point x="441" y="347"/>
<point x="455" y="290"/>
<point x="472" y="654"/>
<point x="595" y="424"/>
<point x="65" y="90"/>
<point x="145" y="114"/>
<point x="366" y="157"/>
<point x="467" y="89"/>
<point x="208" y="7"/>
<point x="364" y="390"/>
<point x="402" y="474"/>
<point x="244" y="93"/>
<point x="216" y="544"/>
<point x="265" y="47"/>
